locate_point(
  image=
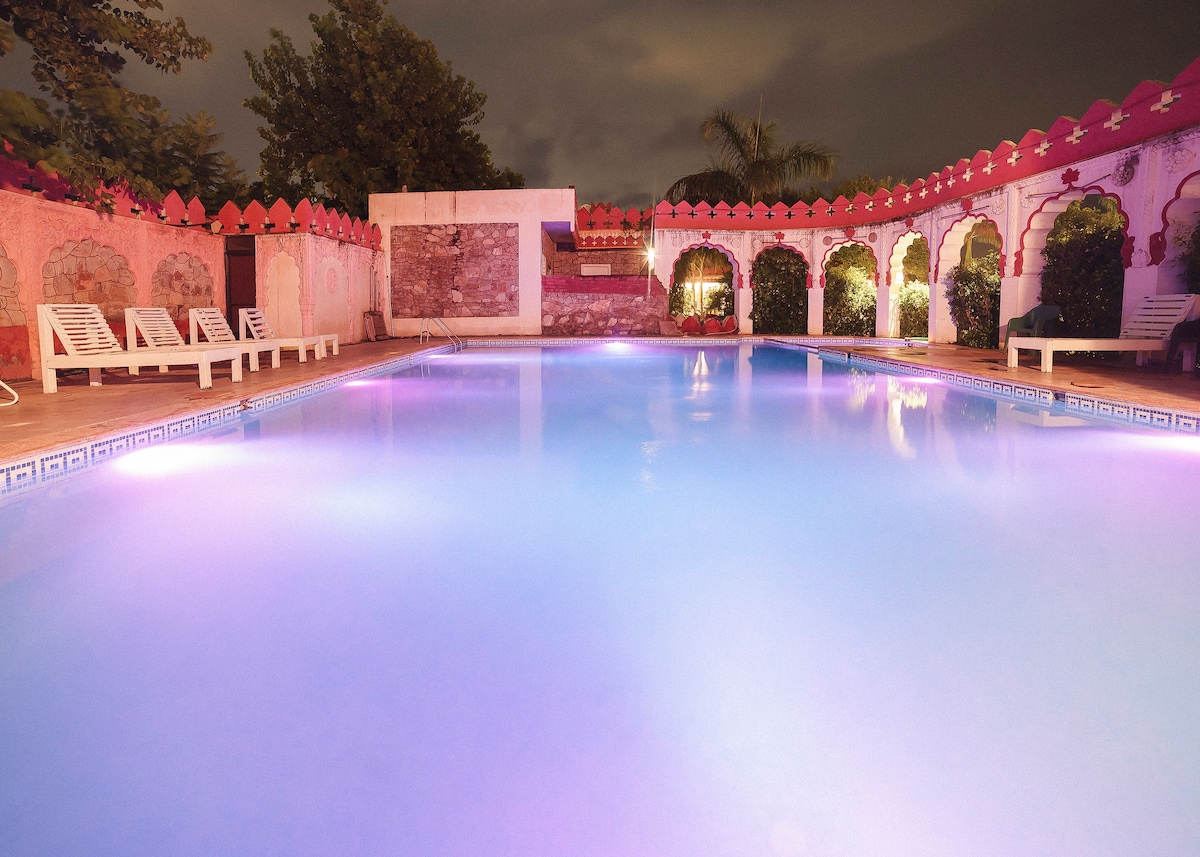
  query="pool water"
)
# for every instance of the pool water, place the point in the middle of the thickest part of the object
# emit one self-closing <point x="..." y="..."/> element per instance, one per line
<point x="611" y="600"/>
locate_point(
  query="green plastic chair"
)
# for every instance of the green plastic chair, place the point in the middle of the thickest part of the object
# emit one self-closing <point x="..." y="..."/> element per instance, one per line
<point x="1039" y="321"/>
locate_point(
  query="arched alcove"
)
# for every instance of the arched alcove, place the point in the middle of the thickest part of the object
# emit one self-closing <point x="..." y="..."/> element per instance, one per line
<point x="1179" y="219"/>
<point x="1029" y="260"/>
<point x="899" y="251"/>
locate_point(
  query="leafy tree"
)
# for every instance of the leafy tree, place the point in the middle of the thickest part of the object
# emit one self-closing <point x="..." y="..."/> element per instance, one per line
<point x="849" y="188"/>
<point x="93" y="130"/>
<point x="751" y="164"/>
<point x="1190" y="259"/>
<point x="973" y="290"/>
<point x="912" y="298"/>
<point x="1084" y="273"/>
<point x="694" y="268"/>
<point x="371" y="110"/>
<point x="850" y="292"/>
<point x="916" y="262"/>
<point x="779" y="278"/>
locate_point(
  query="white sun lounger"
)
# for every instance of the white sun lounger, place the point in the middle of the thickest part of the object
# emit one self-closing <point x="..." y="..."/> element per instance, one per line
<point x="255" y="321"/>
<point x="211" y="322"/>
<point x="1148" y="329"/>
<point x="90" y="344"/>
<point x="157" y="330"/>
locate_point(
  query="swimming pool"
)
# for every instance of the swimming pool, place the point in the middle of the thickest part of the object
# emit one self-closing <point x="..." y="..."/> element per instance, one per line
<point x="617" y="599"/>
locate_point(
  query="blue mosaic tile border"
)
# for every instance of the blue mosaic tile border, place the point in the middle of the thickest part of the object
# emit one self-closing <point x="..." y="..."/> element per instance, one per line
<point x="47" y="466"/>
<point x="1076" y="404"/>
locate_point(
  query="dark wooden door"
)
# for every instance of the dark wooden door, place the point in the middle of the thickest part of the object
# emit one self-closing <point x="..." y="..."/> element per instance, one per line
<point x="240" y="281"/>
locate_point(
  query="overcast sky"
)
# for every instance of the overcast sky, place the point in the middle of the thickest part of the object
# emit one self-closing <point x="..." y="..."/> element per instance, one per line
<point x="608" y="96"/>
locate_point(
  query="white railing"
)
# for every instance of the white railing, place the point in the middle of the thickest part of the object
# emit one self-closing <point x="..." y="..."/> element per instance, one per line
<point x="427" y="325"/>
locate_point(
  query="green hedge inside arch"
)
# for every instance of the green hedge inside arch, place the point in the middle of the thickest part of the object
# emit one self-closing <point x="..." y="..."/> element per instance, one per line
<point x="779" y="278"/>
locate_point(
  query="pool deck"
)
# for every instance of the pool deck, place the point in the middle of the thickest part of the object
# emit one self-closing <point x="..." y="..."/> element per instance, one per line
<point x="78" y="413"/>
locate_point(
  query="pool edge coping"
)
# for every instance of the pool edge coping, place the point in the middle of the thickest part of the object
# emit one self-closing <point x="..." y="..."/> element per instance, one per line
<point x="43" y="467"/>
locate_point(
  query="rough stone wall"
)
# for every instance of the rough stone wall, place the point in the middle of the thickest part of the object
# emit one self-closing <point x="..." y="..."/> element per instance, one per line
<point x="10" y="303"/>
<point x="613" y="312"/>
<point x="182" y="282"/>
<point x="85" y="272"/>
<point x="455" y="271"/>
<point x="625" y="262"/>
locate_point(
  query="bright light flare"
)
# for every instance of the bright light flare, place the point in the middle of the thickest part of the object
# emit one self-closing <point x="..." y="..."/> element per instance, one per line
<point x="173" y="459"/>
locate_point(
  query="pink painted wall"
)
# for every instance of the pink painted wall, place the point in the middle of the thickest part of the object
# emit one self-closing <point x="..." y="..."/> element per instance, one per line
<point x="309" y="283"/>
<point x="58" y="252"/>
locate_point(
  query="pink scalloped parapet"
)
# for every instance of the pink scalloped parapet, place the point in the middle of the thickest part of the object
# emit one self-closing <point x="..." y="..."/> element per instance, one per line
<point x="255" y="219"/>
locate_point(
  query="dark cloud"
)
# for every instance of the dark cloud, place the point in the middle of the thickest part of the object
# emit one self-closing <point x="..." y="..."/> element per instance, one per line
<point x="608" y="96"/>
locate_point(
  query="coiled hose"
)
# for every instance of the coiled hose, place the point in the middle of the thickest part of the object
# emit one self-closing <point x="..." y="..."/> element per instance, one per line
<point x="12" y="393"/>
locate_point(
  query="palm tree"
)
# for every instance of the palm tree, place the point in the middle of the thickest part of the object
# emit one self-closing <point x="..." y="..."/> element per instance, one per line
<point x="752" y="164"/>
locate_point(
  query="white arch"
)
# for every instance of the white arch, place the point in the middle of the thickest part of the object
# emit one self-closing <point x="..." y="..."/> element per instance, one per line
<point x="833" y="248"/>
<point x="941" y="324"/>
<point x="899" y="251"/>
<point x="1030" y="261"/>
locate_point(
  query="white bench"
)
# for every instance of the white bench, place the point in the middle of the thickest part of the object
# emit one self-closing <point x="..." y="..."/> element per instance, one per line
<point x="90" y="344"/>
<point x="254" y="322"/>
<point x="211" y="322"/>
<point x="1148" y="330"/>
<point x="153" y="328"/>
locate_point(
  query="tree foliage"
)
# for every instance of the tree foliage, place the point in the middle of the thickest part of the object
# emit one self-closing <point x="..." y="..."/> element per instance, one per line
<point x="849" y="188"/>
<point x="916" y="262"/>
<point x="912" y="300"/>
<point x="779" y="278"/>
<point x="91" y="129"/>
<point x="850" y="295"/>
<point x="1191" y="260"/>
<point x="693" y="268"/>
<point x="1084" y="273"/>
<point x="751" y="163"/>
<point x="372" y="109"/>
<point x="973" y="290"/>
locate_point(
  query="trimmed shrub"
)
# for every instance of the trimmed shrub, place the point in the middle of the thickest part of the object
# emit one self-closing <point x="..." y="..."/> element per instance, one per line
<point x="912" y="298"/>
<point x="779" y="278"/>
<point x="973" y="290"/>
<point x="1191" y="261"/>
<point x="850" y="292"/>
<point x="1084" y="273"/>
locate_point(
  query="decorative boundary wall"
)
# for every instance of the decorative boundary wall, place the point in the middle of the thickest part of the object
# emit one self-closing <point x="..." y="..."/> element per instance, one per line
<point x="1144" y="153"/>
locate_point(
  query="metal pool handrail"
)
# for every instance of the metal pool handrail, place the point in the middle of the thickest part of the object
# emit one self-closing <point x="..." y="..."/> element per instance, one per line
<point x="426" y="331"/>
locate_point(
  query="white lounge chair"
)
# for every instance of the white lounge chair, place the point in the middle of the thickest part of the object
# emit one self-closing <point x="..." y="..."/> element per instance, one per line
<point x="157" y="330"/>
<point x="211" y="322"/>
<point x="90" y="344"/>
<point x="1148" y="329"/>
<point x="255" y="321"/>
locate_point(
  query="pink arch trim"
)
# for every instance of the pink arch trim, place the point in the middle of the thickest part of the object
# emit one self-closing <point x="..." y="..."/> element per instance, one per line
<point x="737" y="274"/>
<point x="1158" y="241"/>
<point x="779" y="245"/>
<point x="1126" y="248"/>
<point x="978" y="218"/>
<point x="833" y="248"/>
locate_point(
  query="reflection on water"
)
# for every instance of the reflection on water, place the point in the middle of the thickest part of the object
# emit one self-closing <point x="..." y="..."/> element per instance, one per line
<point x="668" y="602"/>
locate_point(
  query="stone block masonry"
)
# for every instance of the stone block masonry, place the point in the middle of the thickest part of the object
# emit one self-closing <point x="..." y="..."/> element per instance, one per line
<point x="602" y="306"/>
<point x="455" y="270"/>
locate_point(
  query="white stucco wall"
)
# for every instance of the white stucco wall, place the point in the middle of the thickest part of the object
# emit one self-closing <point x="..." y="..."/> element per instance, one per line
<point x="528" y="208"/>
